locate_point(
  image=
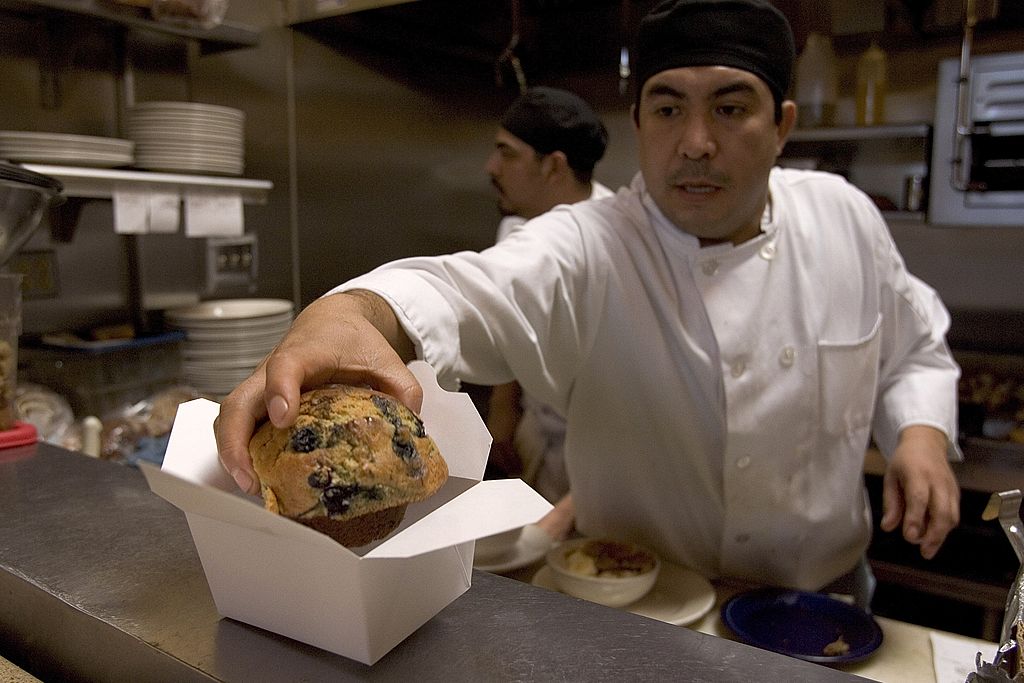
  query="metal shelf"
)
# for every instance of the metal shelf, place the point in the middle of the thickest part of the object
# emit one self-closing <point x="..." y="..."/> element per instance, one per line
<point x="856" y="133"/>
<point x="99" y="183"/>
<point x="226" y="36"/>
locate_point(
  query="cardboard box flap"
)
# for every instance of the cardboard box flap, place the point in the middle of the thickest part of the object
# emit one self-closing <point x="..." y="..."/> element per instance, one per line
<point x="230" y="508"/>
<point x="192" y="448"/>
<point x="454" y="424"/>
<point x="488" y="508"/>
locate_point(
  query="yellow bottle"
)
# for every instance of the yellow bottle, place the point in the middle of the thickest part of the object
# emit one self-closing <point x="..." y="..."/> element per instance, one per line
<point x="872" y="84"/>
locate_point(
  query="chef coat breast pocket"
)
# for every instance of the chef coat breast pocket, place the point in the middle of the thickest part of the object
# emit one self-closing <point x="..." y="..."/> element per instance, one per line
<point x="848" y="381"/>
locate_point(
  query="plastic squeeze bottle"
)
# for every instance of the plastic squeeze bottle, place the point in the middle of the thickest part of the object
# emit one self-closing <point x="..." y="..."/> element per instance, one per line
<point x="872" y="83"/>
<point x="816" y="83"/>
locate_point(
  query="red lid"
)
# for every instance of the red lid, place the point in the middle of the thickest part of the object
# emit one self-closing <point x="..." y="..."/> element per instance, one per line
<point x="21" y="434"/>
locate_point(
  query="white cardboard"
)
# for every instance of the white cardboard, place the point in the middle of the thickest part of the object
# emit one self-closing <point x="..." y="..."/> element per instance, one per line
<point x="274" y="573"/>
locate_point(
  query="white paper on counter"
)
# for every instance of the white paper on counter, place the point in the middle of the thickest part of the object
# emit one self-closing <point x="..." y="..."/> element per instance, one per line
<point x="131" y="211"/>
<point x="954" y="656"/>
<point x="164" y="211"/>
<point x="213" y="214"/>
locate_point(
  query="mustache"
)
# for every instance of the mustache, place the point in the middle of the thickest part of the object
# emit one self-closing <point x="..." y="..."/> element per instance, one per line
<point x="693" y="169"/>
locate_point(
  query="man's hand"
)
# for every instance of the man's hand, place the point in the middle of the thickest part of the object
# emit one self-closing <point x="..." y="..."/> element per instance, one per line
<point x="561" y="520"/>
<point x="349" y="338"/>
<point x="920" y="490"/>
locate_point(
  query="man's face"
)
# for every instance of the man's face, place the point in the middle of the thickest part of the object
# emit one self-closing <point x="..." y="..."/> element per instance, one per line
<point x="708" y="139"/>
<point x="518" y="174"/>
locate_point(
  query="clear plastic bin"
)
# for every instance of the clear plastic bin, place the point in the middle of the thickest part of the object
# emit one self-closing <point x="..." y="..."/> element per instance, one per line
<point x="10" y="330"/>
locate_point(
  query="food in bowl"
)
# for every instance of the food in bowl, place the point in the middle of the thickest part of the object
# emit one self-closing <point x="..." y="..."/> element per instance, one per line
<point x="350" y="464"/>
<point x="610" y="572"/>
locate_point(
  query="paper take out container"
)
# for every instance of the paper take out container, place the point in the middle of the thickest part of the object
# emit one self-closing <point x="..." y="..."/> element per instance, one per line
<point x="274" y="573"/>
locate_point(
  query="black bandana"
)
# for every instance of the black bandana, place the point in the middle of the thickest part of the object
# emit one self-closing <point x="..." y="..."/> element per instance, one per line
<point x="550" y="120"/>
<point x="744" y="34"/>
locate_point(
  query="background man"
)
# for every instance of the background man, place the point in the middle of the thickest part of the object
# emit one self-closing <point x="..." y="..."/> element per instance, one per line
<point x="544" y="155"/>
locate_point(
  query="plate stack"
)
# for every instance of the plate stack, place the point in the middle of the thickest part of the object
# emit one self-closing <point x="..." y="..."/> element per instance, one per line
<point x="226" y="339"/>
<point x="187" y="137"/>
<point x="63" y="149"/>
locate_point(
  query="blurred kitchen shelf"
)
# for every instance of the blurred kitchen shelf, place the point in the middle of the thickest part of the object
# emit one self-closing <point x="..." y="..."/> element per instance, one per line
<point x="309" y="10"/>
<point x="904" y="216"/>
<point x="226" y="36"/>
<point x="99" y="183"/>
<point x="854" y="133"/>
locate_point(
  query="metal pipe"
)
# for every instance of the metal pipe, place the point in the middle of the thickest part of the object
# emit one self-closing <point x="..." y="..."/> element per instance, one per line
<point x="964" y="126"/>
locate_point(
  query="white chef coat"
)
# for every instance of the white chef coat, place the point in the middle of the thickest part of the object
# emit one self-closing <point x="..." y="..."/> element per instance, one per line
<point x="540" y="433"/>
<point x="719" y="400"/>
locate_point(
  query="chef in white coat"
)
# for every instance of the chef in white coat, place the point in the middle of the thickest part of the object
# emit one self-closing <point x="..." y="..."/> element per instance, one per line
<point x="723" y="336"/>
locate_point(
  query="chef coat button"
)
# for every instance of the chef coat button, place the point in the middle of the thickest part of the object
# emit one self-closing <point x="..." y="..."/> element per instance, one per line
<point x="787" y="357"/>
<point x="743" y="462"/>
<point x="768" y="251"/>
<point x="710" y="267"/>
<point x="742" y="538"/>
<point x="738" y="368"/>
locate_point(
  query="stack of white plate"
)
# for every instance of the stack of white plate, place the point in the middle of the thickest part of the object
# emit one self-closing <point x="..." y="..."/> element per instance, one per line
<point x="188" y="137"/>
<point x="68" y="150"/>
<point x="226" y="339"/>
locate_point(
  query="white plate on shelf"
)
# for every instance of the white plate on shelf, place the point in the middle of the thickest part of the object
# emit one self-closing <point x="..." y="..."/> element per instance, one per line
<point x="681" y="596"/>
<point x="532" y="545"/>
<point x="231" y="309"/>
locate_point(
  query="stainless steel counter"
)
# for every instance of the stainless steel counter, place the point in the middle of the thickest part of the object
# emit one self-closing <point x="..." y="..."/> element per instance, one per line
<point x="99" y="581"/>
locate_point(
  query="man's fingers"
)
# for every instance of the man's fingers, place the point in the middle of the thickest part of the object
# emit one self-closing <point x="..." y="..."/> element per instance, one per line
<point x="234" y="425"/>
<point x="892" y="503"/>
<point x="943" y="517"/>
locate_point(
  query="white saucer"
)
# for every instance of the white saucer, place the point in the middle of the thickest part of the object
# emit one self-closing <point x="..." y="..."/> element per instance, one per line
<point x="681" y="596"/>
<point x="533" y="545"/>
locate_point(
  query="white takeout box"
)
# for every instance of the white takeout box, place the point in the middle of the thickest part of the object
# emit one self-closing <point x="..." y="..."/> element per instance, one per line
<point x="282" y="576"/>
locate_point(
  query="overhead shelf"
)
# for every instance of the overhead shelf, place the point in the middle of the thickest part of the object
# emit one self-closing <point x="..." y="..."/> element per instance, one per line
<point x="853" y="133"/>
<point x="100" y="183"/>
<point x="226" y="36"/>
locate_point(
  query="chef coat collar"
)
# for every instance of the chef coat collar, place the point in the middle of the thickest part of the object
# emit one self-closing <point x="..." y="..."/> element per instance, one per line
<point x="691" y="244"/>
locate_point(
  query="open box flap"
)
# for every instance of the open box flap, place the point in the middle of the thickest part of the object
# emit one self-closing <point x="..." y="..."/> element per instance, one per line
<point x="230" y="508"/>
<point x="489" y="507"/>
<point x="454" y="424"/>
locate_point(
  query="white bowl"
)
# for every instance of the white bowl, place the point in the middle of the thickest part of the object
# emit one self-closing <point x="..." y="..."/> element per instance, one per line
<point x="605" y="588"/>
<point x="497" y="545"/>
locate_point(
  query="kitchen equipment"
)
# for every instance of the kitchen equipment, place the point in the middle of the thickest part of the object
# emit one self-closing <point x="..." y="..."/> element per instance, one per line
<point x="872" y="84"/>
<point x="809" y="626"/>
<point x="188" y="137"/>
<point x="816" y="83"/>
<point x="531" y="546"/>
<point x="977" y="172"/>
<point x="66" y="150"/>
<point x="205" y="14"/>
<point x="1009" y="659"/>
<point x="579" y="573"/>
<point x="226" y="339"/>
<point x="24" y="196"/>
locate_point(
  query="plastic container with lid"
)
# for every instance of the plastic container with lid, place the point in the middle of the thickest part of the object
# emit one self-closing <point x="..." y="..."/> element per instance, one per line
<point x="872" y="86"/>
<point x="10" y="328"/>
<point x="816" y="83"/>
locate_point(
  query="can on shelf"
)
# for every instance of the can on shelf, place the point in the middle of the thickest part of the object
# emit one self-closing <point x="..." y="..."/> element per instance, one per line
<point x="913" y="193"/>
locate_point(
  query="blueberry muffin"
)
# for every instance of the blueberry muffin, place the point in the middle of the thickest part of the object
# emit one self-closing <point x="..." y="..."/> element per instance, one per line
<point x="349" y="466"/>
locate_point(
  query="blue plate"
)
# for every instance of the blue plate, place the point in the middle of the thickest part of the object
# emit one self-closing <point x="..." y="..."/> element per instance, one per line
<point x="801" y="624"/>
